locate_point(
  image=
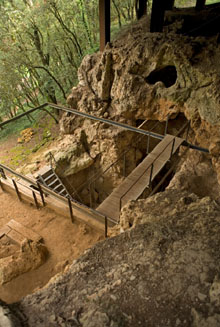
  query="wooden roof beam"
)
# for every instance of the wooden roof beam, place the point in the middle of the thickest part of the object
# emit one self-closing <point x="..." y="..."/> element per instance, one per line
<point x="200" y="4"/>
<point x="169" y="4"/>
<point x="157" y="15"/>
<point x="104" y="23"/>
<point x="141" y="8"/>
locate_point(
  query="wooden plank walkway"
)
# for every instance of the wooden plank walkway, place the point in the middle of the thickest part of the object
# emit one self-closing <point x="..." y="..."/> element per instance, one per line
<point x="139" y="179"/>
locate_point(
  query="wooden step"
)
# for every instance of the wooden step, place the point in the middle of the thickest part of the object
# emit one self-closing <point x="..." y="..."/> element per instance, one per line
<point x="4" y="230"/>
<point x="24" y="231"/>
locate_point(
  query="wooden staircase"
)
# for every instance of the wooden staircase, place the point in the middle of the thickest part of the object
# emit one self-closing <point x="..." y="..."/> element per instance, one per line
<point x="49" y="178"/>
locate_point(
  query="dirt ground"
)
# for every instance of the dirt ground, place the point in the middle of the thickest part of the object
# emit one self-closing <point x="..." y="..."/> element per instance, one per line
<point x="64" y="241"/>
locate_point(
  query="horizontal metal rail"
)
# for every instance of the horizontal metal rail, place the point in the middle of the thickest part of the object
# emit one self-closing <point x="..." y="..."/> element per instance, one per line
<point x="107" y="121"/>
<point x="23" y="114"/>
<point x="102" y="120"/>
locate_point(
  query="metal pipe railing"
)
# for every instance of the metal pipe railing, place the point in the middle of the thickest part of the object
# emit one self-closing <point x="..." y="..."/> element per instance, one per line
<point x="102" y="120"/>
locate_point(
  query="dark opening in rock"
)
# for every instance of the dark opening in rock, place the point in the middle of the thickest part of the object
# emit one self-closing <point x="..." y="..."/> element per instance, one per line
<point x="167" y="75"/>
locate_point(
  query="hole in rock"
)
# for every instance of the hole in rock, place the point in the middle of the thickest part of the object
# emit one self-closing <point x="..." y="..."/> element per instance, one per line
<point x="167" y="75"/>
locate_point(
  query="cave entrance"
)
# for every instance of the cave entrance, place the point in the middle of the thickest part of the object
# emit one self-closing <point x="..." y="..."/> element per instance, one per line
<point x="167" y="75"/>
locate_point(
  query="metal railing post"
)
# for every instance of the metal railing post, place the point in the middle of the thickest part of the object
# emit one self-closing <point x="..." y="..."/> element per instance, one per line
<point x="71" y="209"/>
<point x="41" y="194"/>
<point x="172" y="148"/>
<point x="2" y="172"/>
<point x="151" y="174"/>
<point x="35" y="199"/>
<point x="16" y="189"/>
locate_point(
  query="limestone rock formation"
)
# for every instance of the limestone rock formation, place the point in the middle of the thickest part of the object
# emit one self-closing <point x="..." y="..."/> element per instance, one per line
<point x="151" y="76"/>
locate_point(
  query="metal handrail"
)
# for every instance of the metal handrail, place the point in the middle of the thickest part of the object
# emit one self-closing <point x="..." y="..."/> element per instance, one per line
<point x="151" y="172"/>
<point x="102" y="120"/>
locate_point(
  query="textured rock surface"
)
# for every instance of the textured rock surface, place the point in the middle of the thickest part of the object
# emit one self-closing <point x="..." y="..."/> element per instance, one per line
<point x="30" y="256"/>
<point x="150" y="76"/>
<point x="164" y="272"/>
<point x="7" y="317"/>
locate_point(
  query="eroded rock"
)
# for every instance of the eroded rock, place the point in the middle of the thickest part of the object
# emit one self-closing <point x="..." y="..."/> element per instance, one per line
<point x="160" y="273"/>
<point x="30" y="256"/>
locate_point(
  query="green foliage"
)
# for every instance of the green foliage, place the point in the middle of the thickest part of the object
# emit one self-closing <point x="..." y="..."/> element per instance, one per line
<point x="14" y="128"/>
<point x="42" y="45"/>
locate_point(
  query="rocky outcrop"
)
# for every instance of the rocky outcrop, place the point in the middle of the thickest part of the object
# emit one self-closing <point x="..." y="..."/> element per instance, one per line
<point x="163" y="272"/>
<point x="30" y="256"/>
<point x="151" y="76"/>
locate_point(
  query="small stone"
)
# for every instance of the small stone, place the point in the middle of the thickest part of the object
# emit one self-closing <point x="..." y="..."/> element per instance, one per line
<point x="132" y="278"/>
<point x="113" y="297"/>
<point x="117" y="283"/>
<point x="201" y="296"/>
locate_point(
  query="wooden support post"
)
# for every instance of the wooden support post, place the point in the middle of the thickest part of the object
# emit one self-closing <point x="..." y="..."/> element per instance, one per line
<point x="16" y="189"/>
<point x="169" y="4"/>
<point x="104" y="23"/>
<point x="106" y="227"/>
<point x="141" y="8"/>
<point x="157" y="16"/>
<point x="200" y="4"/>
<point x="41" y="194"/>
<point x="71" y="210"/>
<point x="35" y="200"/>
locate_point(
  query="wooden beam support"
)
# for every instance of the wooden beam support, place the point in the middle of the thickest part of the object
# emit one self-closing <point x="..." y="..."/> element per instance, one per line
<point x="200" y="4"/>
<point x="141" y="8"/>
<point x="157" y="15"/>
<point x="169" y="4"/>
<point x="104" y="23"/>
